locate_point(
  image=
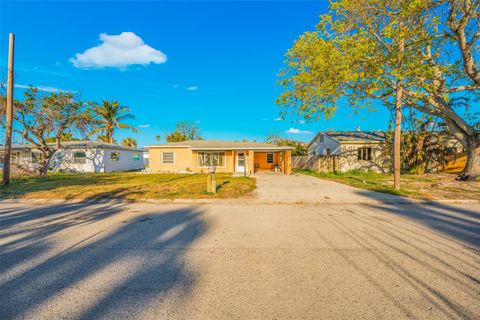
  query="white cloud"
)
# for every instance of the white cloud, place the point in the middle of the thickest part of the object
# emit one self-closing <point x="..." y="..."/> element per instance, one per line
<point x="118" y="51"/>
<point x="175" y="85"/>
<point x="144" y="125"/>
<point x="197" y="122"/>
<point x="278" y="119"/>
<point x="42" y="88"/>
<point x="301" y="121"/>
<point x="192" y="88"/>
<point x="298" y="131"/>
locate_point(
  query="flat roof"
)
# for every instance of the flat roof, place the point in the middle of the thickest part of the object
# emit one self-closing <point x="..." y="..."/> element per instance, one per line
<point x="76" y="144"/>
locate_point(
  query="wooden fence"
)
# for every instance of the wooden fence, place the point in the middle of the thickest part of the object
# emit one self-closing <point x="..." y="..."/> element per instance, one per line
<point x="317" y="163"/>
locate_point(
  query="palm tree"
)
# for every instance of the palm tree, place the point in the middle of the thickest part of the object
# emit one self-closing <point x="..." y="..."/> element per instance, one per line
<point x="109" y="116"/>
<point x="129" y="142"/>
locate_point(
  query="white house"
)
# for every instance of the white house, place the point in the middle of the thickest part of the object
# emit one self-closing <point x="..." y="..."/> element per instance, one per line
<point x="363" y="150"/>
<point x="81" y="156"/>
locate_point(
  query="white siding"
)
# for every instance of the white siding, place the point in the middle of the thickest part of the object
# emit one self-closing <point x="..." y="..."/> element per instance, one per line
<point x="97" y="160"/>
<point x="319" y="147"/>
<point x="125" y="162"/>
<point x="63" y="160"/>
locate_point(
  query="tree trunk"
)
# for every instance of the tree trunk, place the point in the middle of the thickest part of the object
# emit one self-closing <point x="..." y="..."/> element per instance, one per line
<point x="43" y="168"/>
<point x="44" y="163"/>
<point x="472" y="168"/>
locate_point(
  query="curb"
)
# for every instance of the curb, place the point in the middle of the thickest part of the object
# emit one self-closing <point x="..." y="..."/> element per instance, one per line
<point x="244" y="201"/>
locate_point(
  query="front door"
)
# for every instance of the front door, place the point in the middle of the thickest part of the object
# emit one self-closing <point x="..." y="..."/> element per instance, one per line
<point x="240" y="163"/>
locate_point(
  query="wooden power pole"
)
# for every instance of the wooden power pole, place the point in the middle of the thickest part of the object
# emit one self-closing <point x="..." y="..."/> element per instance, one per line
<point x="397" y="137"/>
<point x="398" y="119"/>
<point x="9" y="113"/>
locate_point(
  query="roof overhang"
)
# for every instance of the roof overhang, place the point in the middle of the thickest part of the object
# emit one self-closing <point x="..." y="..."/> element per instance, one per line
<point x="165" y="146"/>
<point x="245" y="149"/>
<point x="360" y="142"/>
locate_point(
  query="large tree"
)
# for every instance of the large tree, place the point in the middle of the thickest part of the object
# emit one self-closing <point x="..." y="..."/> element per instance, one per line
<point x="184" y="130"/>
<point x="399" y="53"/>
<point x="300" y="148"/>
<point x="45" y="120"/>
<point x="110" y="115"/>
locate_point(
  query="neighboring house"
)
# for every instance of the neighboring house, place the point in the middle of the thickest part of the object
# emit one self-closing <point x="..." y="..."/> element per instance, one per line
<point x="80" y="156"/>
<point x="362" y="150"/>
<point x="197" y="156"/>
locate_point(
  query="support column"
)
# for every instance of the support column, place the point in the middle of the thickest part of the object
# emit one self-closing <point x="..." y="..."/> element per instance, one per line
<point x="251" y="162"/>
<point x="288" y="162"/>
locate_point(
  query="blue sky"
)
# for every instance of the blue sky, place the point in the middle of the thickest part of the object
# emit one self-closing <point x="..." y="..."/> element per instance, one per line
<point x="214" y="63"/>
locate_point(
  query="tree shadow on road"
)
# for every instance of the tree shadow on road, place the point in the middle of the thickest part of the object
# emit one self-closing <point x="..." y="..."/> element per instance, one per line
<point x="455" y="222"/>
<point x="109" y="268"/>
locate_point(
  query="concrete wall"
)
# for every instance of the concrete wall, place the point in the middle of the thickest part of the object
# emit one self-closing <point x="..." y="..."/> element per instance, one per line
<point x="380" y="162"/>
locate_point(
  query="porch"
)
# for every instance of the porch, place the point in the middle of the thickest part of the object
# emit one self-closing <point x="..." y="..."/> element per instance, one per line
<point x="248" y="162"/>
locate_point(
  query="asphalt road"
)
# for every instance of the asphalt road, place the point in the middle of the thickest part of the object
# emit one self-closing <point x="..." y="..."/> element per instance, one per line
<point x="239" y="261"/>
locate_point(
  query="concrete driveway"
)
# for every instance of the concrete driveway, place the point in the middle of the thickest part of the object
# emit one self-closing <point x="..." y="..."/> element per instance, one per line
<point x="117" y="260"/>
<point x="300" y="188"/>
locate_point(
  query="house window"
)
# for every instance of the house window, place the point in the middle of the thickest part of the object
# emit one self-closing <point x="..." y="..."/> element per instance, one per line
<point x="329" y="152"/>
<point x="79" y="157"/>
<point x="36" y="157"/>
<point x="135" y="157"/>
<point x="207" y="159"/>
<point x="364" y="153"/>
<point x="168" y="157"/>
<point x="114" y="156"/>
<point x="15" y="157"/>
<point x="269" y="157"/>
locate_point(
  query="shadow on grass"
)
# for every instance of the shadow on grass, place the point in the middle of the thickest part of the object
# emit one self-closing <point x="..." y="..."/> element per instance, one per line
<point x="114" y="186"/>
<point x="122" y="265"/>
<point x="220" y="185"/>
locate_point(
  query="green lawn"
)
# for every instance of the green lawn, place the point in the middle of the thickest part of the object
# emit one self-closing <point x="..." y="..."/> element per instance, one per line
<point x="125" y="185"/>
<point x="427" y="186"/>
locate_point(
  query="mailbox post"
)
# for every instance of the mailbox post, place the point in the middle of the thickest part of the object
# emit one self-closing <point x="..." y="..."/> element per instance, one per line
<point x="211" y="183"/>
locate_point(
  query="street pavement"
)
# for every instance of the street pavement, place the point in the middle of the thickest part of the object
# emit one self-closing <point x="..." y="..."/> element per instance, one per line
<point x="241" y="260"/>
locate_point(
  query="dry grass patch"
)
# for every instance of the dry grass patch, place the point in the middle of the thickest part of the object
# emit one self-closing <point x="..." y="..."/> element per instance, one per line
<point x="426" y="186"/>
<point x="125" y="185"/>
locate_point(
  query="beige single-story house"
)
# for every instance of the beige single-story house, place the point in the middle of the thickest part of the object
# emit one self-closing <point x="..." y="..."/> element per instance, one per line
<point x="361" y="150"/>
<point x="197" y="156"/>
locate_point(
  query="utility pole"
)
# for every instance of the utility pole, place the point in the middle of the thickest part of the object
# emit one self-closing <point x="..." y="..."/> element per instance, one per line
<point x="9" y="113"/>
<point x="398" y="118"/>
<point x="397" y="136"/>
